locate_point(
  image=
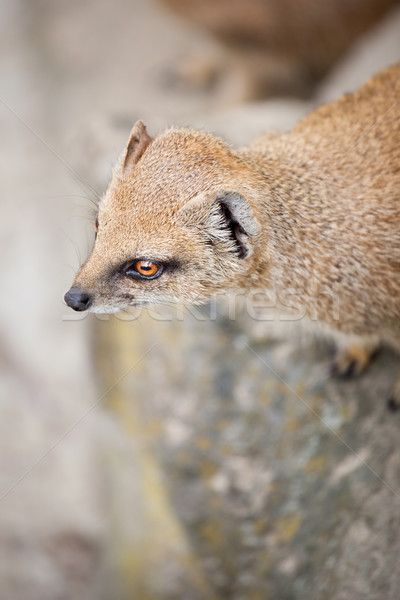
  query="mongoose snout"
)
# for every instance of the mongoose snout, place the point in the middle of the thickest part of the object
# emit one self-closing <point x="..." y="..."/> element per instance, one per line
<point x="313" y="214"/>
<point x="77" y="299"/>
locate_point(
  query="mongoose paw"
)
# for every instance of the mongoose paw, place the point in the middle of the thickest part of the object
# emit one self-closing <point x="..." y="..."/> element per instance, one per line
<point x="352" y="361"/>
<point x="338" y="368"/>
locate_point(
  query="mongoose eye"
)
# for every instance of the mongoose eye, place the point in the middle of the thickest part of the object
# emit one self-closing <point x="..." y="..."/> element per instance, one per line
<point x="144" y="268"/>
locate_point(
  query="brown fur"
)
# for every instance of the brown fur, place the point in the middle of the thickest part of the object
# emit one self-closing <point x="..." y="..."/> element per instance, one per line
<point x="312" y="216"/>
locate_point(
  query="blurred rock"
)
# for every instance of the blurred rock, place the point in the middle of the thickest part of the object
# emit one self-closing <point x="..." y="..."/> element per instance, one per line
<point x="373" y="52"/>
<point x="278" y="48"/>
<point x="275" y="471"/>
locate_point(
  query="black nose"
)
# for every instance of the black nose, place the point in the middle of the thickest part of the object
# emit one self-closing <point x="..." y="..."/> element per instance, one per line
<point x="77" y="299"/>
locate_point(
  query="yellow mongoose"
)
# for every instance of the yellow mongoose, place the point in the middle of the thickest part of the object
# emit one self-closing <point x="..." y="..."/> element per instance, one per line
<point x="314" y="213"/>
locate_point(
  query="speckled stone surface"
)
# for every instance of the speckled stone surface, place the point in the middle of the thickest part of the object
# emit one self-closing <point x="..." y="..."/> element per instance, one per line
<point x="286" y="482"/>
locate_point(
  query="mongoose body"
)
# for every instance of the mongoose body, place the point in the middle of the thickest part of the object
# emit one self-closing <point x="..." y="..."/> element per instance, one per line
<point x="313" y="215"/>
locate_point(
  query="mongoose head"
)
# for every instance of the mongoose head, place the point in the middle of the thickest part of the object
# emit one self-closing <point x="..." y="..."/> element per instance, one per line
<point x="177" y="223"/>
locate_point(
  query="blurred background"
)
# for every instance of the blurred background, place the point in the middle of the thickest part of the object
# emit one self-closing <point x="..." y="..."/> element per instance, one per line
<point x="174" y="452"/>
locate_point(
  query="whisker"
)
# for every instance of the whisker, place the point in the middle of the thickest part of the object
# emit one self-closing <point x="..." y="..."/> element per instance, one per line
<point x="74" y="244"/>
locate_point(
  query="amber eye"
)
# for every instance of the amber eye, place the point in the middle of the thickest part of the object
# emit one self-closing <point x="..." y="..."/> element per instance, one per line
<point x="96" y="225"/>
<point x="147" y="268"/>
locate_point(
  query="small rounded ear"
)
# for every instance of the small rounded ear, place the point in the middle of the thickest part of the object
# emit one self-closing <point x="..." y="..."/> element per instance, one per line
<point x="224" y="216"/>
<point x="139" y="140"/>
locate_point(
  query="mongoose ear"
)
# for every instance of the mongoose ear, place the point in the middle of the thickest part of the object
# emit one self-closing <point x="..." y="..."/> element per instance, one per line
<point x="225" y="216"/>
<point x="139" y="140"/>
